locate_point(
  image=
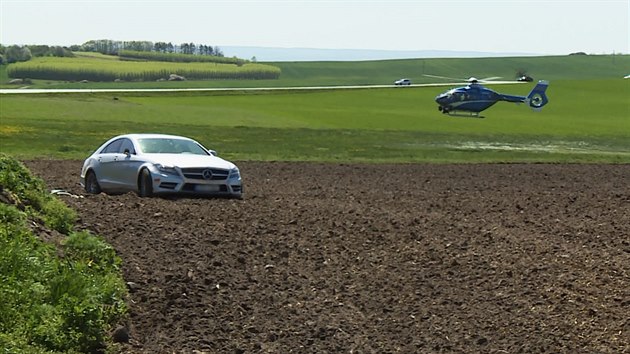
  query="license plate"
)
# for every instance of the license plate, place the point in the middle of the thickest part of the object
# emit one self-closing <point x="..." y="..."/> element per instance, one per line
<point x="207" y="188"/>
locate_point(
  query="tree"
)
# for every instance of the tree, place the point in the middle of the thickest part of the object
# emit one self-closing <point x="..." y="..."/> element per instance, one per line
<point x="159" y="47"/>
<point x="140" y="46"/>
<point x="103" y="46"/>
<point x="58" y="51"/>
<point x="185" y="48"/>
<point x="39" y="50"/>
<point x="16" y="53"/>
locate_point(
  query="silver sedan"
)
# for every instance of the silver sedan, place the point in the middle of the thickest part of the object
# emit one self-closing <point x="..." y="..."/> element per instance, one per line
<point x="159" y="164"/>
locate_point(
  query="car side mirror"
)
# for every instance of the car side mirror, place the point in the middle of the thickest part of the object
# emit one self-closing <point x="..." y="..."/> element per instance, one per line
<point x="127" y="152"/>
<point x="212" y="152"/>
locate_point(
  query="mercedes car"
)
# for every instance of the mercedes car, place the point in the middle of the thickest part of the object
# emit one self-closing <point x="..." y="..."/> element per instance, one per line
<point x="151" y="164"/>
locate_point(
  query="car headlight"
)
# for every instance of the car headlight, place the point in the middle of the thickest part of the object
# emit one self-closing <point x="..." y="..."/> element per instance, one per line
<point x="166" y="169"/>
<point x="234" y="173"/>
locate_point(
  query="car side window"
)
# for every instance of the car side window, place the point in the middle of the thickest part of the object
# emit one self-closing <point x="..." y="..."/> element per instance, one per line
<point x="113" y="147"/>
<point x="127" y="145"/>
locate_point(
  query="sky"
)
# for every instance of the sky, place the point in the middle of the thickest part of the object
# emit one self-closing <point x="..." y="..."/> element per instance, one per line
<point x="550" y="27"/>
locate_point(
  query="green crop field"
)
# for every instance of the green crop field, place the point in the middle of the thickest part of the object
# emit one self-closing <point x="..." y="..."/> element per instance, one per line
<point x="587" y="119"/>
<point x="104" y="68"/>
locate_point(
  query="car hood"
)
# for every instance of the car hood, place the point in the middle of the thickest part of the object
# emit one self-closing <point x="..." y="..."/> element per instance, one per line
<point x="189" y="160"/>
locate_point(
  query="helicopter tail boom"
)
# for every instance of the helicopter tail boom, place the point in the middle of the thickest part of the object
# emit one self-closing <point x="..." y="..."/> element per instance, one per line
<point x="537" y="98"/>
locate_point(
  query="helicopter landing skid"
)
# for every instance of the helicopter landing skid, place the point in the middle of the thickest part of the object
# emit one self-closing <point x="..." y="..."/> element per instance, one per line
<point x="463" y="114"/>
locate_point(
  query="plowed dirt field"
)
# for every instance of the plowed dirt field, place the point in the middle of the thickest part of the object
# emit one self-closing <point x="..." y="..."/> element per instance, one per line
<point x="321" y="258"/>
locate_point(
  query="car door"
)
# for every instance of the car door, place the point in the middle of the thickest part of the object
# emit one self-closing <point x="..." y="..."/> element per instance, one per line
<point x="127" y="166"/>
<point x="106" y="171"/>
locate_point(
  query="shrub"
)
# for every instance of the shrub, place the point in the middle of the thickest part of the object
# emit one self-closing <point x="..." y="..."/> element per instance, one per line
<point x="29" y="193"/>
<point x="91" y="250"/>
<point x="58" y="216"/>
<point x="52" y="300"/>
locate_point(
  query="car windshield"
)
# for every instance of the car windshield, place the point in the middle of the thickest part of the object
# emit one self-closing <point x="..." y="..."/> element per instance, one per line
<point x="170" y="146"/>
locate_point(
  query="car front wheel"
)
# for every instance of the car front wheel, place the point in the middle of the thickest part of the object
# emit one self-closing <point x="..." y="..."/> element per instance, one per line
<point x="91" y="183"/>
<point x="145" y="184"/>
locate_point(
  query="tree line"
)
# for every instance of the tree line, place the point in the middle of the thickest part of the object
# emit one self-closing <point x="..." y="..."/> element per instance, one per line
<point x="16" y="53"/>
<point x="186" y="48"/>
<point x="111" y="47"/>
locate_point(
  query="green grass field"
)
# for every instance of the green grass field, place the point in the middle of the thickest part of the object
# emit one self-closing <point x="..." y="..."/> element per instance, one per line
<point x="587" y="119"/>
<point x="386" y="71"/>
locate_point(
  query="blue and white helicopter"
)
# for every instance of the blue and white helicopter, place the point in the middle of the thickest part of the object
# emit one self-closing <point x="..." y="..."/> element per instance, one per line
<point x="474" y="98"/>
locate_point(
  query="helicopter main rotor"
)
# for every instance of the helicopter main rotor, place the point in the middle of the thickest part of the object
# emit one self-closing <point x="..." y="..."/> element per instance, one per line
<point x="470" y="80"/>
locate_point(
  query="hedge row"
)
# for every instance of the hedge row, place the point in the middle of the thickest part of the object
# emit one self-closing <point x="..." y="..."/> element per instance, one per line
<point x="178" y="57"/>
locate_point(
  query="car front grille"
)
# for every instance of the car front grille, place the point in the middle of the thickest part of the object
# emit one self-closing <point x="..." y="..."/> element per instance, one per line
<point x="191" y="187"/>
<point x="203" y="173"/>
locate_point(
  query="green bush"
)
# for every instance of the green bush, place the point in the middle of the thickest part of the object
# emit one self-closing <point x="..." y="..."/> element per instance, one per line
<point x="91" y="250"/>
<point x="16" y="178"/>
<point x="58" y="216"/>
<point x="29" y="193"/>
<point x="52" y="300"/>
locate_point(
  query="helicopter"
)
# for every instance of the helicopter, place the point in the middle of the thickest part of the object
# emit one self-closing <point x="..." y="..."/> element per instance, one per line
<point x="475" y="98"/>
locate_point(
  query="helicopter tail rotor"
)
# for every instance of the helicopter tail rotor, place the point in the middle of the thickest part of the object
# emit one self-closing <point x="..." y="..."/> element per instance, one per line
<point x="537" y="97"/>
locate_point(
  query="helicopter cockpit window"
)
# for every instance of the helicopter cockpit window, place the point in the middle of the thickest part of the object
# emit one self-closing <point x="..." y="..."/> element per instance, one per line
<point x="459" y="96"/>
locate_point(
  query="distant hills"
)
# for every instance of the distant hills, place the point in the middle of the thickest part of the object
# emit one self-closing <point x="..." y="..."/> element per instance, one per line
<point x="314" y="54"/>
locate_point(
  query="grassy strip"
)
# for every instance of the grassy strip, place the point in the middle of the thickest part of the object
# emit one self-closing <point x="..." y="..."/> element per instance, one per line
<point x="585" y="122"/>
<point x="97" y="69"/>
<point x="52" y="303"/>
<point x="54" y="139"/>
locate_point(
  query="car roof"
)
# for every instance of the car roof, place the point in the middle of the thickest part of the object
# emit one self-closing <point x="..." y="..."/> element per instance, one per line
<point x="137" y="136"/>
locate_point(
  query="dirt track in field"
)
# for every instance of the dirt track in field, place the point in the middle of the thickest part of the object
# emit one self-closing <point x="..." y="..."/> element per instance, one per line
<point x="375" y="259"/>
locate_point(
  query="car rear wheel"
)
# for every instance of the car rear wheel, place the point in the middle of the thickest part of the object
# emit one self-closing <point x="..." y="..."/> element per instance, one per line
<point x="145" y="184"/>
<point x="91" y="183"/>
